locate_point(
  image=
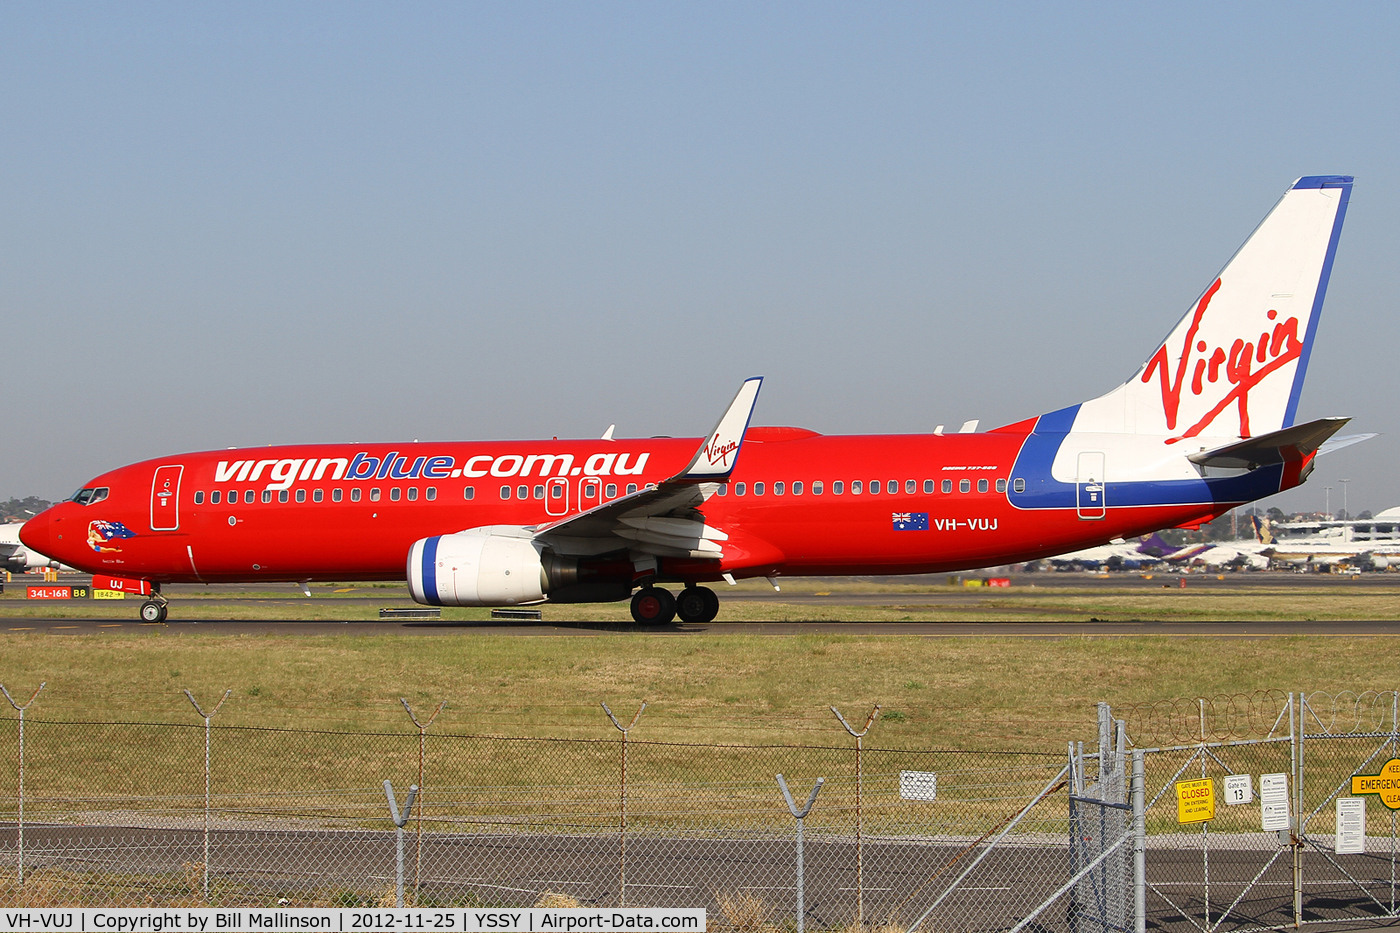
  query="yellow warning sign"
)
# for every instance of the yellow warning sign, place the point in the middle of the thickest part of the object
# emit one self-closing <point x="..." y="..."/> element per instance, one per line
<point x="1384" y="784"/>
<point x="1195" y="801"/>
<point x="108" y="594"/>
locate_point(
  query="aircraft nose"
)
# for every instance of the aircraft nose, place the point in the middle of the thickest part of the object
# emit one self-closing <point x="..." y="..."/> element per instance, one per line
<point x="35" y="533"/>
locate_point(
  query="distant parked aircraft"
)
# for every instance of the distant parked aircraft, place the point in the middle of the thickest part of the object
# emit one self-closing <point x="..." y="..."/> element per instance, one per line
<point x="1366" y="544"/>
<point x="17" y="558"/>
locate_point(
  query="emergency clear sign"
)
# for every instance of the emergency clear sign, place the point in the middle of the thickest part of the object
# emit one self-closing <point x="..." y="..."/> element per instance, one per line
<point x="1195" y="801"/>
<point x="1385" y="784"/>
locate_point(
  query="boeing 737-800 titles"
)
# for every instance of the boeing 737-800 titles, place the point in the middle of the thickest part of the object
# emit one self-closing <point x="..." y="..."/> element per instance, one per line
<point x="1206" y="424"/>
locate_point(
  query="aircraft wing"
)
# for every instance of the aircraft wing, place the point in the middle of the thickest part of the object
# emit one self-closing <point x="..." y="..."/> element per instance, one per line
<point x="663" y="520"/>
<point x="1289" y="444"/>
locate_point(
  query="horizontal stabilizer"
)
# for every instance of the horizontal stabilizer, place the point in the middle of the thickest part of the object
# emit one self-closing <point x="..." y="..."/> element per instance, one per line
<point x="1290" y="444"/>
<point x="1335" y="444"/>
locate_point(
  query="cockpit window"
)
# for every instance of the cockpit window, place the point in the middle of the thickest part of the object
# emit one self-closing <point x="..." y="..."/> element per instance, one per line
<point x="99" y="494"/>
<point x="82" y="496"/>
<point x="90" y="495"/>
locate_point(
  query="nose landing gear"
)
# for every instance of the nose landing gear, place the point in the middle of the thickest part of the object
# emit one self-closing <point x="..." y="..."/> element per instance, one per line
<point x="155" y="609"/>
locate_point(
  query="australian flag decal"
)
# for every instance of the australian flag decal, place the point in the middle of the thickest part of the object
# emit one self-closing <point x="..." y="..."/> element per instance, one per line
<point x="910" y="521"/>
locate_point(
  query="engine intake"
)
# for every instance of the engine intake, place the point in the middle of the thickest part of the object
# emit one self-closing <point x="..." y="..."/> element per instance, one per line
<point x="495" y="565"/>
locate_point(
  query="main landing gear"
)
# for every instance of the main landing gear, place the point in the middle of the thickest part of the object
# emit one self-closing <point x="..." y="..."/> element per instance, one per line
<point x="652" y="605"/>
<point x="154" y="610"/>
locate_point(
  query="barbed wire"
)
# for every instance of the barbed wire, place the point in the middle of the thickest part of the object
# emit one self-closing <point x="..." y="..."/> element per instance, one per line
<point x="1219" y="718"/>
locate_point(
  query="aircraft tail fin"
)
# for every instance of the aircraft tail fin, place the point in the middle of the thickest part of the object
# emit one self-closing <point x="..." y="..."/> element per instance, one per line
<point x="1234" y="365"/>
<point x="1262" y="532"/>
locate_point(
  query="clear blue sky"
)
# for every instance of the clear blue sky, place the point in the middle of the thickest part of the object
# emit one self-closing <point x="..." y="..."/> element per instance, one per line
<point x="241" y="224"/>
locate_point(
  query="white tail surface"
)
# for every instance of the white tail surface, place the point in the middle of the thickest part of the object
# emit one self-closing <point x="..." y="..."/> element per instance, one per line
<point x="1234" y="365"/>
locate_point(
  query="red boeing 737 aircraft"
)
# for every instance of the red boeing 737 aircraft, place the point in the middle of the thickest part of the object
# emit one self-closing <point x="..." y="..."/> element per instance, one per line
<point x="1205" y="425"/>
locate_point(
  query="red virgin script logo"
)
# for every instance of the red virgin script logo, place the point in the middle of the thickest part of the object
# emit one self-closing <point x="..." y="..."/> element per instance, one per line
<point x="1274" y="350"/>
<point x="716" y="452"/>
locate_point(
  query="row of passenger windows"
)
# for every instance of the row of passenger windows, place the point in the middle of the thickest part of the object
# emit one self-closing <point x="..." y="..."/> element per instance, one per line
<point x="556" y="491"/>
<point x="890" y="487"/>
<point x="317" y="495"/>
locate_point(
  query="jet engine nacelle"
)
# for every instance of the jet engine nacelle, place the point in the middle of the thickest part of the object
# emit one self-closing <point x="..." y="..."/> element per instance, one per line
<point x="495" y="565"/>
<point x="15" y="561"/>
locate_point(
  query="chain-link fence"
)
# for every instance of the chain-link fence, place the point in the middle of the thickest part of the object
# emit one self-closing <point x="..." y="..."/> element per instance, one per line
<point x="195" y="813"/>
<point x="125" y="813"/>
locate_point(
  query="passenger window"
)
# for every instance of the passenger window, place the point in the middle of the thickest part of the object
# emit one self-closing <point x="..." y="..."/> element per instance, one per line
<point x="631" y="488"/>
<point x="469" y="492"/>
<point x="758" y="489"/>
<point x="267" y="495"/>
<point x="431" y="493"/>
<point x="817" y="487"/>
<point x="394" y="494"/>
<point x="981" y="485"/>
<point x="947" y="486"/>
<point x="214" y="497"/>
<point x="283" y="495"/>
<point x="505" y="492"/>
<point x="249" y="495"/>
<point x="738" y="489"/>
<point x="909" y="487"/>
<point x="838" y="487"/>
<point x="797" y="489"/>
<point x="855" y="487"/>
<point x="777" y="489"/>
<point x="1018" y="484"/>
<point x="874" y="487"/>
<point x="336" y="494"/>
<point x="964" y="485"/>
<point x="413" y="494"/>
<point x="318" y="495"/>
<point x="589" y="490"/>
<point x="651" y="485"/>
<point x="723" y="489"/>
<point x="199" y="498"/>
<point x="539" y="492"/>
<point x="928" y="487"/>
<point x="1001" y="485"/>
<point x="610" y="490"/>
<point x="355" y="494"/>
<point x="522" y="492"/>
<point x="374" y="494"/>
<point x="301" y="495"/>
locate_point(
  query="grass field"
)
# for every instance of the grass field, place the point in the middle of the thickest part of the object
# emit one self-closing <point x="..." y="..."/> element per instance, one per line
<point x="966" y="692"/>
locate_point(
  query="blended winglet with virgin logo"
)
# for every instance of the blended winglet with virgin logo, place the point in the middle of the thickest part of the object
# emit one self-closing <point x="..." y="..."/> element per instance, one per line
<point x="715" y="459"/>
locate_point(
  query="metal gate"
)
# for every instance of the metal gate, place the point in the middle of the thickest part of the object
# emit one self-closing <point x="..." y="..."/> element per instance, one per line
<point x="1301" y="829"/>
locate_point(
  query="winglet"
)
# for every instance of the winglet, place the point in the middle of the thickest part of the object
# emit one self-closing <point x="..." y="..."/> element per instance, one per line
<point x="715" y="459"/>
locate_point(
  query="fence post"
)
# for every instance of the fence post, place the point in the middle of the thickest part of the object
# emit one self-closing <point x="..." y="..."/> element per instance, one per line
<point x="801" y="817"/>
<point x="1300" y="732"/>
<point x="400" y="817"/>
<point x="207" y="716"/>
<point x="422" y="739"/>
<point x="860" y="781"/>
<point x="1139" y="843"/>
<point x="21" y="709"/>
<point x="622" y="827"/>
